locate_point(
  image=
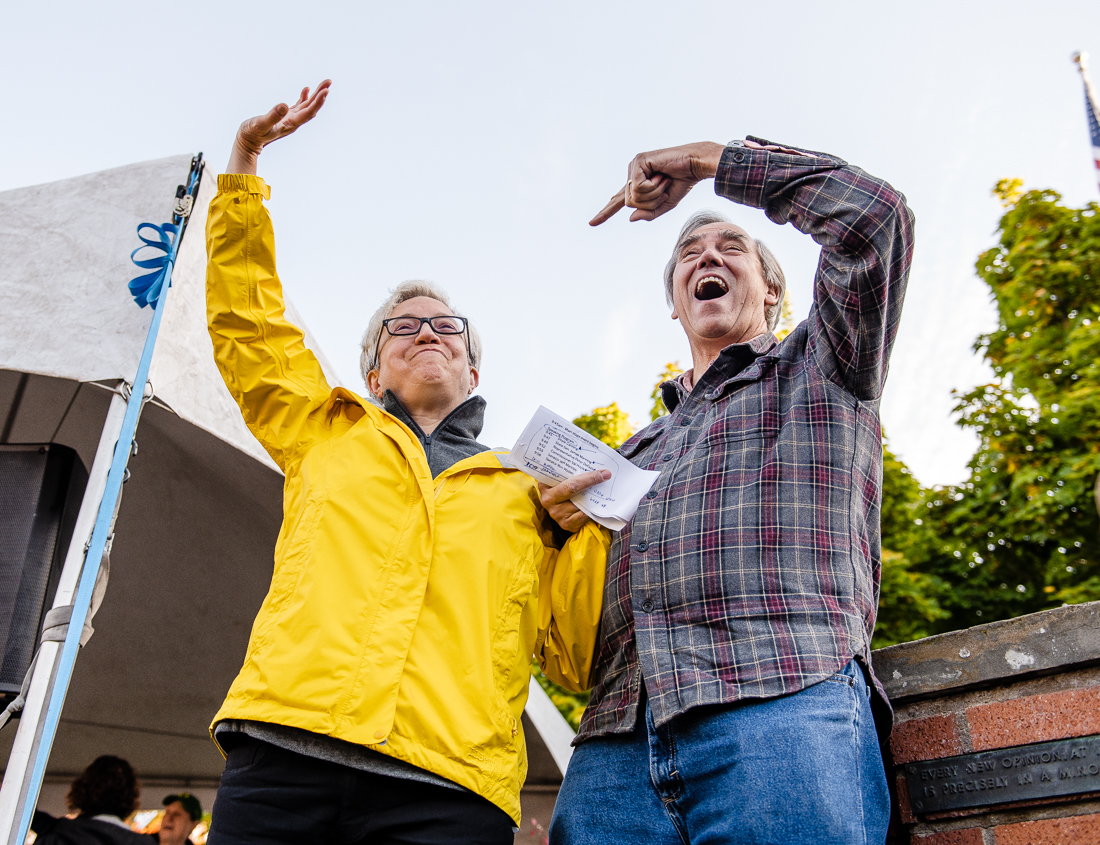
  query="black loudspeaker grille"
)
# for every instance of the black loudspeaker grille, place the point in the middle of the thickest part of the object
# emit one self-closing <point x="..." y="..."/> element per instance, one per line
<point x="35" y="489"/>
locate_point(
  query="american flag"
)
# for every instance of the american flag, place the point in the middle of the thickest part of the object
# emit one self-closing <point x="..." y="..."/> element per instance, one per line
<point x="1090" y="112"/>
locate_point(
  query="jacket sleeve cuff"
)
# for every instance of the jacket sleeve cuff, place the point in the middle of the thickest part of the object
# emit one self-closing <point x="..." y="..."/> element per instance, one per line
<point x="243" y="183"/>
<point x="742" y="174"/>
<point x="746" y="175"/>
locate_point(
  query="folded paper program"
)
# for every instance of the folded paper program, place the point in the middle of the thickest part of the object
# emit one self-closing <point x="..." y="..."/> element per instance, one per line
<point x="552" y="449"/>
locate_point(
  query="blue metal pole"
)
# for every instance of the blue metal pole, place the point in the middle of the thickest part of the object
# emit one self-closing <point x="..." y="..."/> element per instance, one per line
<point x="98" y="542"/>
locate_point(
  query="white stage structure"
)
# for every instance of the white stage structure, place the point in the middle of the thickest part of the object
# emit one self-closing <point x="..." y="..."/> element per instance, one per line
<point x="192" y="554"/>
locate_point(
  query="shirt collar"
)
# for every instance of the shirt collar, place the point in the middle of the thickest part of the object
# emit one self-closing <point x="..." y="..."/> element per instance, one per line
<point x="730" y="361"/>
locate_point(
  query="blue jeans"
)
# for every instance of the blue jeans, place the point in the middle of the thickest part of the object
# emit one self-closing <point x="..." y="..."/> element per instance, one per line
<point x="803" y="768"/>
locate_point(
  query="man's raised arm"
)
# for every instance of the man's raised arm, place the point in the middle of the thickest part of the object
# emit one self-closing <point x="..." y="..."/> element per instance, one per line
<point x="862" y="223"/>
<point x="866" y="233"/>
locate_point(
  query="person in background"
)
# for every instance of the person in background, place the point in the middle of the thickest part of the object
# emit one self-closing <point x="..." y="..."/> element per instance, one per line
<point x="104" y="796"/>
<point x="182" y="814"/>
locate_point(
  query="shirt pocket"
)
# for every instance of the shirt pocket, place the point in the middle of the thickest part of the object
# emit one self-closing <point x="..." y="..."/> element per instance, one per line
<point x="718" y="486"/>
<point x="734" y="456"/>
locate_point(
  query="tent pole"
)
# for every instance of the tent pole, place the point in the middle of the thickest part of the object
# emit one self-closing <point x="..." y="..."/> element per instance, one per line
<point x="551" y="725"/>
<point x="13" y="791"/>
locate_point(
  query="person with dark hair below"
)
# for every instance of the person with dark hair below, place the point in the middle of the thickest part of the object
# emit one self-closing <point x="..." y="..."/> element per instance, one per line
<point x="104" y="795"/>
<point x="182" y="814"/>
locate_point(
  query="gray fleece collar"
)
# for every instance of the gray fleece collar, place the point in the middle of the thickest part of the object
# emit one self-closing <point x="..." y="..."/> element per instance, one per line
<point x="453" y="439"/>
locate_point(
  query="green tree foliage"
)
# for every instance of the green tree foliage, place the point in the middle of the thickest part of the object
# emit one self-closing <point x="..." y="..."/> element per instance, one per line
<point x="570" y="704"/>
<point x="671" y="370"/>
<point x="610" y="424"/>
<point x="909" y="600"/>
<point x="786" y="318"/>
<point x="1022" y="533"/>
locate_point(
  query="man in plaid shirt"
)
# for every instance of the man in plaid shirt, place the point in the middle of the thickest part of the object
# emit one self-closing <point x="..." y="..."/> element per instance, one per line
<point x="733" y="683"/>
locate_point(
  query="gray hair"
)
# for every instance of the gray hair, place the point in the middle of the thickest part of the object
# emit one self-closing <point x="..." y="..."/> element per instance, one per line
<point x="769" y="264"/>
<point x="372" y="337"/>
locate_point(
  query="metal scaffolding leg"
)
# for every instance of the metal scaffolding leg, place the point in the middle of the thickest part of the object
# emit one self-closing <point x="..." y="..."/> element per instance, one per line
<point x="13" y="791"/>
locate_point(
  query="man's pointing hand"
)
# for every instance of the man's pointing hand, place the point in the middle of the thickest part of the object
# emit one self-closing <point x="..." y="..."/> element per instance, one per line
<point x="658" y="180"/>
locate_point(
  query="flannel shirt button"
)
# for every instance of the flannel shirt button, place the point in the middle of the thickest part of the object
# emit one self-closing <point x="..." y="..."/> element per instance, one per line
<point x="647" y="605"/>
<point x="685" y="421"/>
<point x="652" y="494"/>
<point x="739" y="157"/>
<point x="667" y="458"/>
<point x="643" y="546"/>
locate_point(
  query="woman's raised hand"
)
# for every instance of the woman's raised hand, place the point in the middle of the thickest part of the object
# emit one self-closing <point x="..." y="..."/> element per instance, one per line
<point x="257" y="132"/>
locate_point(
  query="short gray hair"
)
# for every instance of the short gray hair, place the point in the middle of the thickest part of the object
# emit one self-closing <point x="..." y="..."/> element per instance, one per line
<point x="372" y="337"/>
<point x="769" y="264"/>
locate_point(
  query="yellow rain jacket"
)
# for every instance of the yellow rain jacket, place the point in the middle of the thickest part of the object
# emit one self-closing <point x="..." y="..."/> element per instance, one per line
<point x="404" y="609"/>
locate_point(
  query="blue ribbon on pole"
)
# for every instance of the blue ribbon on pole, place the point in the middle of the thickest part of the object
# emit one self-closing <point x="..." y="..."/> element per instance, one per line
<point x="146" y="289"/>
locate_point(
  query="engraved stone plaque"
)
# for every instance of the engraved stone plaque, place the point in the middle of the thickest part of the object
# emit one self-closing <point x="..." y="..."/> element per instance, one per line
<point x="1023" y="773"/>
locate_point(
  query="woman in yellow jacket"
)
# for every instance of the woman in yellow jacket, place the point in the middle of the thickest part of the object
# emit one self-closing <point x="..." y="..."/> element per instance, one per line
<point x="415" y="574"/>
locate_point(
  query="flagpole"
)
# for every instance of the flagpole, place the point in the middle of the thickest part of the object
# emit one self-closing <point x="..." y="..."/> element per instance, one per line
<point x="1092" y="114"/>
<point x="1082" y="62"/>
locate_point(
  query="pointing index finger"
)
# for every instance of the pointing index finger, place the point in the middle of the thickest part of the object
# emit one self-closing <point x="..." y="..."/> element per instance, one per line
<point x="617" y="203"/>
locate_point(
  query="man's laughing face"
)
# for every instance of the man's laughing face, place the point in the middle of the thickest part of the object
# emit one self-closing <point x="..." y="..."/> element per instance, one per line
<point x="718" y="288"/>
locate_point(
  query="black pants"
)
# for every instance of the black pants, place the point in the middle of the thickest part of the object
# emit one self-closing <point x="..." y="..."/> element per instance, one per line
<point x="270" y="795"/>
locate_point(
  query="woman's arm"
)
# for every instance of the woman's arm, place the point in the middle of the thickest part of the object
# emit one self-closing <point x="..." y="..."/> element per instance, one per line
<point x="277" y="382"/>
<point x="570" y="602"/>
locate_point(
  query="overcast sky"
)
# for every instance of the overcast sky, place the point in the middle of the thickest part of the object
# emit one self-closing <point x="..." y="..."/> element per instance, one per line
<point x="470" y="144"/>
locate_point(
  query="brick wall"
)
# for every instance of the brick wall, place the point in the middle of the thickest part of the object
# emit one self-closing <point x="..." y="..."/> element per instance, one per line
<point x="1013" y="683"/>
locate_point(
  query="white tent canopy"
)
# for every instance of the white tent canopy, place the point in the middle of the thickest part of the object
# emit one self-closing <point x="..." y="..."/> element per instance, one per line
<point x="192" y="556"/>
<point x="65" y="310"/>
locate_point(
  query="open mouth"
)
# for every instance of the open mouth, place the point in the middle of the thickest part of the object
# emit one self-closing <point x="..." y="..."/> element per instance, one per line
<point x="710" y="287"/>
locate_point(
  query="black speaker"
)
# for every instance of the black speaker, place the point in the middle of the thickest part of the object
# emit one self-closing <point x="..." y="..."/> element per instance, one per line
<point x="41" y="487"/>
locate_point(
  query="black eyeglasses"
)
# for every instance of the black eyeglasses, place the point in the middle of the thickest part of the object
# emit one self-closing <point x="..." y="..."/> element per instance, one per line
<point x="408" y="326"/>
<point x="412" y="325"/>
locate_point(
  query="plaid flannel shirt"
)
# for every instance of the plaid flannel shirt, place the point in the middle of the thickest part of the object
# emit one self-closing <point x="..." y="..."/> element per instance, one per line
<point x="752" y="567"/>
